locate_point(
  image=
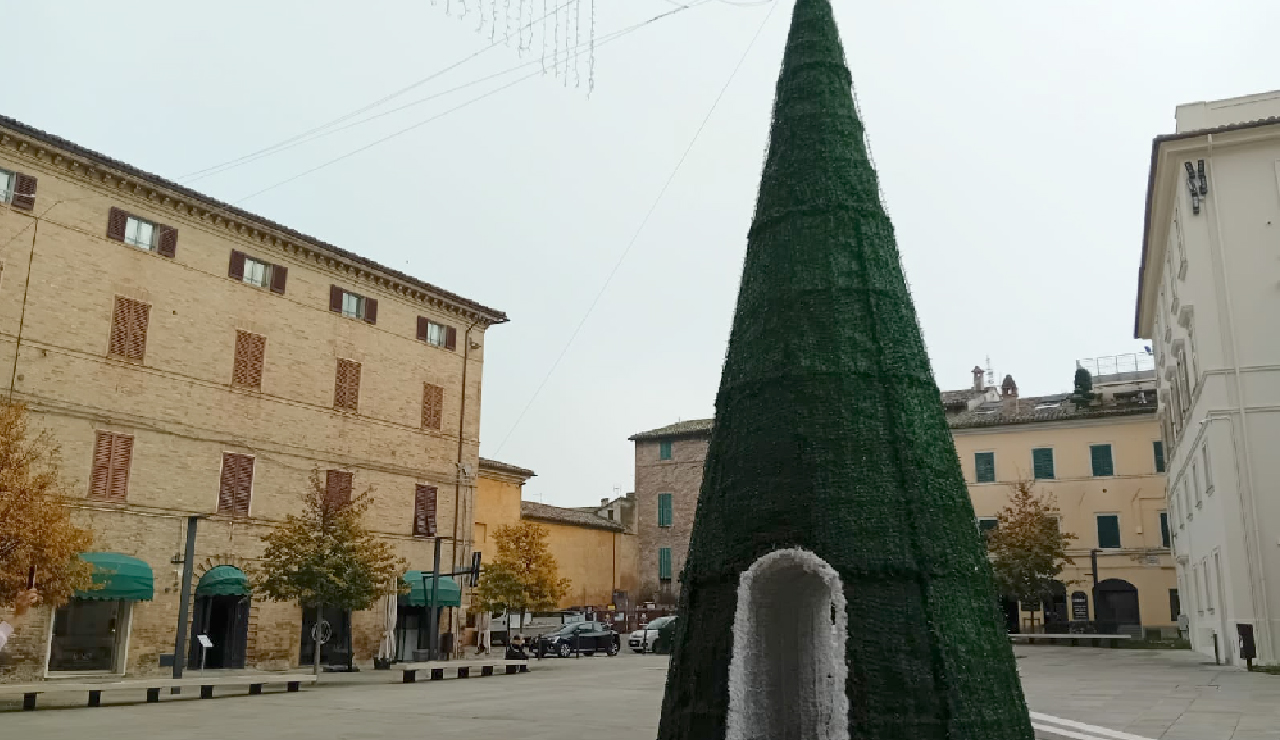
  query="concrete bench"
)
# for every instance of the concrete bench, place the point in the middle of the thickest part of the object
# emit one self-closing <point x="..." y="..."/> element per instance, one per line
<point x="1096" y="640"/>
<point x="437" y="668"/>
<point x="30" y="691"/>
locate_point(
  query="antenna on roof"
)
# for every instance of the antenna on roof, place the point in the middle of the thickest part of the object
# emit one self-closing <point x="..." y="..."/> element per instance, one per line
<point x="991" y="374"/>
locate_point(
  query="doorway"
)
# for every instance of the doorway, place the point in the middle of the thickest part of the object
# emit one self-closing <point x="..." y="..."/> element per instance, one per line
<point x="1115" y="606"/>
<point x="225" y="619"/>
<point x="787" y="673"/>
<point x="335" y="652"/>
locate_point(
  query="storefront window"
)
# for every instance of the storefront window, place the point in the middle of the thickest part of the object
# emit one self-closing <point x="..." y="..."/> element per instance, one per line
<point x="88" y="636"/>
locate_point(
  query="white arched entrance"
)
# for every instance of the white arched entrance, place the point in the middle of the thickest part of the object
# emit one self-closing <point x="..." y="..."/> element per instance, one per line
<point x="787" y="675"/>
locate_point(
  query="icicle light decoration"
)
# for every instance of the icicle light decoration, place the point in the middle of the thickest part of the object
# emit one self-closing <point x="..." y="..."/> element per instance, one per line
<point x="565" y="30"/>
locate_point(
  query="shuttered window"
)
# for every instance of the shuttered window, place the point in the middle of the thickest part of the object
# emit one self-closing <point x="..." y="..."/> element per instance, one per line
<point x="337" y="486"/>
<point x="984" y="465"/>
<point x="1100" y="456"/>
<point x="112" y="456"/>
<point x="123" y="226"/>
<point x="437" y="335"/>
<point x="251" y="350"/>
<point x="129" y="329"/>
<point x="353" y="305"/>
<point x="346" y="386"/>
<point x="1109" y="530"/>
<point x="257" y="272"/>
<point x="664" y="450"/>
<point x="424" y="511"/>
<point x="18" y="190"/>
<point x="1042" y="463"/>
<point x="1157" y="449"/>
<point x="664" y="510"/>
<point x="432" y="406"/>
<point x="664" y="564"/>
<point x="237" y="484"/>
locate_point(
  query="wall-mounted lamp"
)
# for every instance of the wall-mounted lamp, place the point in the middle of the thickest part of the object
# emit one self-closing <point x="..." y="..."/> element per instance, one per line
<point x="1193" y="189"/>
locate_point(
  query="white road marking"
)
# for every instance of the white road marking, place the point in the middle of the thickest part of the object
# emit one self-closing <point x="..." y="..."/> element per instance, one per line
<point x="1095" y="732"/>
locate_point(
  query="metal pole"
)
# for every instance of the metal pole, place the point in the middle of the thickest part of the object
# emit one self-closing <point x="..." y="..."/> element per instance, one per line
<point x="184" y="603"/>
<point x="434" y="629"/>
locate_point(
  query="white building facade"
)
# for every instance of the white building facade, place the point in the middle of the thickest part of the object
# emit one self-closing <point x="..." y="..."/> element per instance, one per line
<point x="1209" y="301"/>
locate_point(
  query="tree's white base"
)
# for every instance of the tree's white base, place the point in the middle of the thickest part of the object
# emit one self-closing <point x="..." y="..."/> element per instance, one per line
<point x="787" y="675"/>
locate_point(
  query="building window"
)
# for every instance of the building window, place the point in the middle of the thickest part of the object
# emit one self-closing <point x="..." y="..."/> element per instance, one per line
<point x="1042" y="463"/>
<point x="236" y="487"/>
<point x="437" y="335"/>
<point x="984" y="465"/>
<point x="1100" y="456"/>
<point x="1165" y="539"/>
<point x="88" y="636"/>
<point x="1175" y="605"/>
<point x="112" y="456"/>
<point x="987" y="525"/>
<point x="337" y="486"/>
<point x="432" y="406"/>
<point x="346" y="386"/>
<point x="665" y="513"/>
<point x="18" y="190"/>
<point x="352" y="305"/>
<point x="424" y="511"/>
<point x="1109" y="531"/>
<point x="664" y="450"/>
<point x="141" y="233"/>
<point x="664" y="564"/>
<point x="258" y="273"/>
<point x="1193" y="479"/>
<point x="251" y="350"/>
<point x="1157" y="449"/>
<point x="7" y="181"/>
<point x="1208" y="470"/>
<point x="129" y="329"/>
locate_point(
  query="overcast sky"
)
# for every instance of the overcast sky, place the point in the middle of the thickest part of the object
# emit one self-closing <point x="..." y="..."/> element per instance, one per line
<point x="1012" y="139"/>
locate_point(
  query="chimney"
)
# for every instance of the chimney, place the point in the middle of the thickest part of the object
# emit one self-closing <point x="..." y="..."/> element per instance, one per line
<point x="977" y="378"/>
<point x="604" y="502"/>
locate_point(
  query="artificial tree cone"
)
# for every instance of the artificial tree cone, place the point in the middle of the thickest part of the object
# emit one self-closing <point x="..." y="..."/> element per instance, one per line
<point x="836" y="586"/>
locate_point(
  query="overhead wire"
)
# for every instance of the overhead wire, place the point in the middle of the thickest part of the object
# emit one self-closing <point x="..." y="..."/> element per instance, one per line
<point x="643" y="222"/>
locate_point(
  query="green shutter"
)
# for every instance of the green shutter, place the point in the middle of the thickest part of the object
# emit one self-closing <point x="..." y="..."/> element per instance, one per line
<point x="984" y="464"/>
<point x="1101" y="456"/>
<point x="1164" y="528"/>
<point x="1108" y="530"/>
<point x="664" y="450"/>
<point x="1042" y="463"/>
<point x="664" y="564"/>
<point x="664" y="510"/>
<point x="1158" y="448"/>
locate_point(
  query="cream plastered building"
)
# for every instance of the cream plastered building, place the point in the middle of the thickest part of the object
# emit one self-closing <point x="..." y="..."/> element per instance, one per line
<point x="1208" y="299"/>
<point x="192" y="358"/>
<point x="1102" y="464"/>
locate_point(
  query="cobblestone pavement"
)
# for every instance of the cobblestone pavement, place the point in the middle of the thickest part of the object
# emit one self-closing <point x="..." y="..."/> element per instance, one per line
<point x="1075" y="693"/>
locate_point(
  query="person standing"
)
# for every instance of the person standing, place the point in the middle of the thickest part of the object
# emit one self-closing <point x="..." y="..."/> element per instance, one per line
<point x="26" y="600"/>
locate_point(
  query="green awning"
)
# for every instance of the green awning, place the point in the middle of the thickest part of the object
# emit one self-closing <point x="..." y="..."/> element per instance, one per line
<point x="223" y="580"/>
<point x="118" y="577"/>
<point x="420" y="592"/>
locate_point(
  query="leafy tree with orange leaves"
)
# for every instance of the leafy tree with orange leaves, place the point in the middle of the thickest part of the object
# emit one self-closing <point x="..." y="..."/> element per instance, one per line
<point x="523" y="576"/>
<point x="36" y="530"/>
<point x="1028" y="548"/>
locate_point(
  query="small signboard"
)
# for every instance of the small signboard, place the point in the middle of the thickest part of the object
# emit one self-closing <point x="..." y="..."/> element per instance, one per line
<point x="204" y="641"/>
<point x="1079" y="607"/>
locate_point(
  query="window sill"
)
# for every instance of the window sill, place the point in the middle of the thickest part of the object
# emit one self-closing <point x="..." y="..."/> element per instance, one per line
<point x="122" y="358"/>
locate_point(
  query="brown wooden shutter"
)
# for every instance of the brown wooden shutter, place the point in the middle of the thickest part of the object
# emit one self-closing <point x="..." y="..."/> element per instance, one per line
<point x="335" y="298"/>
<point x="432" y="406"/>
<point x="251" y="350"/>
<point x="227" y="485"/>
<point x="121" y="457"/>
<point x="279" y="274"/>
<point x="237" y="484"/>
<point x="371" y="310"/>
<point x="346" y="386"/>
<point x="424" y="511"/>
<point x="236" y="268"/>
<point x="129" y="329"/>
<point x="100" y="478"/>
<point x="117" y="220"/>
<point x="167" y="246"/>
<point x="338" y="486"/>
<point x="244" y="485"/>
<point x="450" y="338"/>
<point x="24" y="192"/>
<point x="422" y="328"/>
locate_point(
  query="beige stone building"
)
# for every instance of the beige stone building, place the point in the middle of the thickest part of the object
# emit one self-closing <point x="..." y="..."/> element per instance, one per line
<point x="1103" y="464"/>
<point x="195" y="359"/>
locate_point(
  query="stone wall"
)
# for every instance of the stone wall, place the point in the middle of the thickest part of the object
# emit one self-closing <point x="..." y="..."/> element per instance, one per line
<point x="680" y="476"/>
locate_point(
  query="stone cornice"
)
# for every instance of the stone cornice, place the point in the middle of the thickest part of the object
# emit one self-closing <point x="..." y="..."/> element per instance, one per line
<point x="103" y="172"/>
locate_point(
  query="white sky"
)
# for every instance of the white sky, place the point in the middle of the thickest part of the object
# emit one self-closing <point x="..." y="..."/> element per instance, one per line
<point x="1012" y="139"/>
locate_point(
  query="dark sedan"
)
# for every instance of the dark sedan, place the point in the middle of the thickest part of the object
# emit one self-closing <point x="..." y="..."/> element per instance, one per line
<point x="587" y="637"/>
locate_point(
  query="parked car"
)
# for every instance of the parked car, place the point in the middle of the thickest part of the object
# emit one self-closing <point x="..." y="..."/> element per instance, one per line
<point x="588" y="637"/>
<point x="639" y="641"/>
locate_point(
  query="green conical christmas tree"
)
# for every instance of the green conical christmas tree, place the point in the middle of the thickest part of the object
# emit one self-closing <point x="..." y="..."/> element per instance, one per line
<point x="831" y="452"/>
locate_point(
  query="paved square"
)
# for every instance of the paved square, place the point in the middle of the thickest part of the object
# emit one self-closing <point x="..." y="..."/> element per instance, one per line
<point x="1132" y="693"/>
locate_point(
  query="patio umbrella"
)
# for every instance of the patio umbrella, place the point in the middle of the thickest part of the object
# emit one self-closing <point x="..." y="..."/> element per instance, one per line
<point x="387" y="646"/>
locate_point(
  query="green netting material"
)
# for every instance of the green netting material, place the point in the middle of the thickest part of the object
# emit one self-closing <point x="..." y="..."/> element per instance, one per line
<point x="829" y="436"/>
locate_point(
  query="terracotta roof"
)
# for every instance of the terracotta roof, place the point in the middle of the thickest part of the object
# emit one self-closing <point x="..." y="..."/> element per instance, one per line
<point x="1057" y="407"/>
<point x="19" y="127"/>
<point x="535" y="510"/>
<point x="501" y="467"/>
<point x="960" y="396"/>
<point x="693" y="428"/>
